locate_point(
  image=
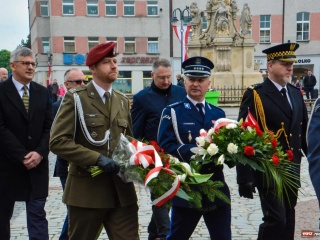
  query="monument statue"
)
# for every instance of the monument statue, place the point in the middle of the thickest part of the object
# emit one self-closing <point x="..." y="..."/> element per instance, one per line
<point x="196" y="22"/>
<point x="245" y="20"/>
<point x="231" y="50"/>
<point x="222" y="18"/>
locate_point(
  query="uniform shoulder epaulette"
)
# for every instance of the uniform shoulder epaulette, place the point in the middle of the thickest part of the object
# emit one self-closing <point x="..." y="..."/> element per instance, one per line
<point x="120" y="93"/>
<point x="77" y="89"/>
<point x="175" y="104"/>
<point x="254" y="86"/>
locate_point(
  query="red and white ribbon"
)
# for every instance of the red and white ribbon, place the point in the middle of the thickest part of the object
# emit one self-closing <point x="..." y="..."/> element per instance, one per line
<point x="146" y="155"/>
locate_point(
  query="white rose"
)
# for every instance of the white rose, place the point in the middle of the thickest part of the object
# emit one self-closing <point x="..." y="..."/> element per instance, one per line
<point x="221" y="160"/>
<point x="232" y="148"/>
<point x="200" y="141"/>
<point x="213" y="149"/>
<point x="210" y="132"/>
<point x="231" y="126"/>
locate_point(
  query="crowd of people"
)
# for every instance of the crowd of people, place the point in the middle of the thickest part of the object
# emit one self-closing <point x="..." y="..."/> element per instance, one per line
<point x="82" y="125"/>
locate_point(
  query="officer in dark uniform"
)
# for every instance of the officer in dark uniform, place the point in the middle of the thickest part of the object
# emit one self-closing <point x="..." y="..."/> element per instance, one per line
<point x="276" y="104"/>
<point x="179" y="126"/>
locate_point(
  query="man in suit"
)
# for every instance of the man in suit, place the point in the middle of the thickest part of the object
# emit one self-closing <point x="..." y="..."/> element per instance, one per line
<point x="87" y="137"/>
<point x="146" y="112"/>
<point x="25" y="122"/>
<point x="180" y="124"/>
<point x="3" y="74"/>
<point x="276" y="104"/>
<point x="73" y="77"/>
<point x="309" y="82"/>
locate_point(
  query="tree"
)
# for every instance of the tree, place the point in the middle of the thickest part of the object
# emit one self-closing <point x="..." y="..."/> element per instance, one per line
<point x="26" y="43"/>
<point x="5" y="59"/>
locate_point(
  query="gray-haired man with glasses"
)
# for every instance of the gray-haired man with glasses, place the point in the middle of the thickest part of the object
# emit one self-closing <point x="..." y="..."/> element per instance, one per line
<point x="25" y="123"/>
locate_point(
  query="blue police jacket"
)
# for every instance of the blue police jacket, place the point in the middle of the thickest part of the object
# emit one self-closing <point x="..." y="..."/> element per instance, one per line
<point x="313" y="139"/>
<point x="147" y="107"/>
<point x="179" y="142"/>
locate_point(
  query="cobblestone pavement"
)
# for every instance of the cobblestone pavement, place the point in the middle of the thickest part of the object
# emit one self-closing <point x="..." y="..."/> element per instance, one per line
<point x="246" y="213"/>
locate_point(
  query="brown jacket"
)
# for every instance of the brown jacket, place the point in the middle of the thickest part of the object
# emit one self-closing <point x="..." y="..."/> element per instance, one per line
<point x="68" y="141"/>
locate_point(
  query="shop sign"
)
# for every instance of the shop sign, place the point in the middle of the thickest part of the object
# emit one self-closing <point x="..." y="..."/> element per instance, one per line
<point x="134" y="60"/>
<point x="69" y="59"/>
<point x="304" y="60"/>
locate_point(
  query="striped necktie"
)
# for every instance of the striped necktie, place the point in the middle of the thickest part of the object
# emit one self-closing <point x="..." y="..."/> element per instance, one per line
<point x="107" y="103"/>
<point x="25" y="98"/>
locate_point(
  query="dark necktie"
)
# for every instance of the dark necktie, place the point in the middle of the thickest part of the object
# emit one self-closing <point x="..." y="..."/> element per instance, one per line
<point x="200" y="109"/>
<point x="25" y="98"/>
<point x="285" y="100"/>
<point x="107" y="103"/>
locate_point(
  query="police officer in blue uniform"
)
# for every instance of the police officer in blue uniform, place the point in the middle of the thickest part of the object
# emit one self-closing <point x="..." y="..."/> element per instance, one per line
<point x="276" y="105"/>
<point x="179" y="126"/>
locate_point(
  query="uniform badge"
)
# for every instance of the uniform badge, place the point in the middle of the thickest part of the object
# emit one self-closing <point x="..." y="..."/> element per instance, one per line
<point x="187" y="106"/>
<point x="94" y="134"/>
<point x="92" y="93"/>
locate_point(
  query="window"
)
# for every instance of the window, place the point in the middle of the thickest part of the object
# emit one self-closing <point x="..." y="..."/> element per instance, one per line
<point x="45" y="45"/>
<point x="147" y="80"/>
<point x="128" y="8"/>
<point x="92" y="42"/>
<point x="265" y="29"/>
<point x="67" y="7"/>
<point x="129" y="45"/>
<point x="111" y="8"/>
<point x="44" y="10"/>
<point x="153" y="45"/>
<point x="69" y="44"/>
<point x="111" y="39"/>
<point x="152" y="8"/>
<point x="92" y="7"/>
<point x="123" y="82"/>
<point x="303" y="26"/>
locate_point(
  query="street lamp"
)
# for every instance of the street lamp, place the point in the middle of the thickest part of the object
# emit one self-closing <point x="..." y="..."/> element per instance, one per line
<point x="184" y="19"/>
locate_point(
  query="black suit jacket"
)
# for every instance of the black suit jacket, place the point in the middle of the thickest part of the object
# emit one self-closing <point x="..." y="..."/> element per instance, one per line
<point x="295" y="124"/>
<point x="20" y="133"/>
<point x="309" y="81"/>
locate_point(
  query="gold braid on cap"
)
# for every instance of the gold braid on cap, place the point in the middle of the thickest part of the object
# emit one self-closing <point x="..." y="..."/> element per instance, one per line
<point x="260" y="114"/>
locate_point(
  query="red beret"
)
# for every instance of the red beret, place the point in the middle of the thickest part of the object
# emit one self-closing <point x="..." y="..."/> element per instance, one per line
<point x="101" y="51"/>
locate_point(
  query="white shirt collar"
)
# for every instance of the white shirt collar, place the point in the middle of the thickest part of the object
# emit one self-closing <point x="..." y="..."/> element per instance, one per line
<point x="19" y="85"/>
<point x="195" y="102"/>
<point x="100" y="90"/>
<point x="278" y="86"/>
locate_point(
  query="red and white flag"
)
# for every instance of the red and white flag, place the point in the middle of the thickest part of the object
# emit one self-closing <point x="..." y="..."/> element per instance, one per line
<point x="251" y="120"/>
<point x="185" y="40"/>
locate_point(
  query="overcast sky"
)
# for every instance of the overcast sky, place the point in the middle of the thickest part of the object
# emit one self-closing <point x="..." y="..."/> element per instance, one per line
<point x="14" y="23"/>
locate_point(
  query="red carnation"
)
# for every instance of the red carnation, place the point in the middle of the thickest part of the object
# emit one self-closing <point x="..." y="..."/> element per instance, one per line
<point x="290" y="155"/>
<point x="248" y="151"/>
<point x="259" y="132"/>
<point x="274" y="143"/>
<point x="275" y="160"/>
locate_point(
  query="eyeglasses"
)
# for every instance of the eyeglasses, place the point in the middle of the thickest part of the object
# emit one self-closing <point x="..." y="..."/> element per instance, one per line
<point x="27" y="63"/>
<point x="163" y="78"/>
<point x="78" y="82"/>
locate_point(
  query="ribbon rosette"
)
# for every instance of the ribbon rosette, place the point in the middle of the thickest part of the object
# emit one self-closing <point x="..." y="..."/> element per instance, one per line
<point x="147" y="155"/>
